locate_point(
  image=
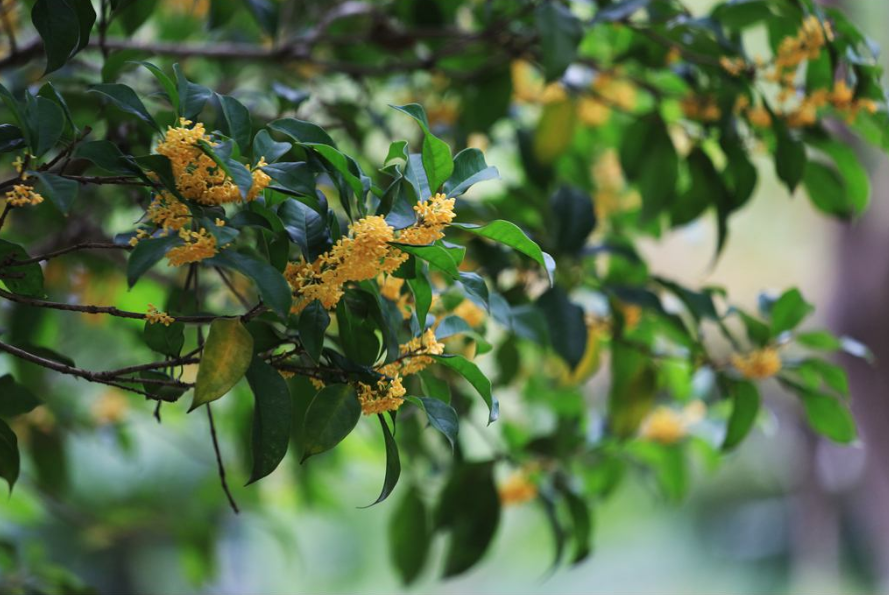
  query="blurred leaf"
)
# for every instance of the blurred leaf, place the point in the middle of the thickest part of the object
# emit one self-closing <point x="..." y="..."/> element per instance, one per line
<point x="788" y="311"/>
<point x="566" y="323"/>
<point x="560" y="33"/>
<point x="15" y="399"/>
<point x="9" y="455"/>
<point x="409" y="536"/>
<point x="469" y="507"/>
<point x="24" y="280"/>
<point x="649" y="159"/>
<point x="167" y="340"/>
<point x="745" y="409"/>
<point x="126" y="99"/>
<point x="828" y="416"/>
<point x="633" y="388"/>
<point x="272" y="287"/>
<point x="574" y="217"/>
<point x="227" y="355"/>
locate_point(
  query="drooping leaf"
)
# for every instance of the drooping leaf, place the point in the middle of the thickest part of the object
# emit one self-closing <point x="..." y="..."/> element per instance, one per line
<point x="476" y="378"/>
<point x="272" y="415"/>
<point x="126" y="99"/>
<point x="313" y="323"/>
<point x="331" y="416"/>
<point x="9" y="455"/>
<point x="15" y="399"/>
<point x="745" y="409"/>
<point x="226" y="357"/>
<point x="410" y="536"/>
<point x="441" y="416"/>
<point x="393" y="463"/>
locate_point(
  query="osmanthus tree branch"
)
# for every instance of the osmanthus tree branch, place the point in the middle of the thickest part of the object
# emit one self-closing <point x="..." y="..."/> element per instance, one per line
<point x="68" y="250"/>
<point x="111" y="378"/>
<point x="113" y="311"/>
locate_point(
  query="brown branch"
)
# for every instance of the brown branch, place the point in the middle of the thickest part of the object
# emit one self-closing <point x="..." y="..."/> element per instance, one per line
<point x="219" y="465"/>
<point x="112" y="311"/>
<point x="69" y="249"/>
<point x="109" y="378"/>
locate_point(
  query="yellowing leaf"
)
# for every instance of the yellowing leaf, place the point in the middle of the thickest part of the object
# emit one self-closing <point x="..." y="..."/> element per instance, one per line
<point x="225" y="360"/>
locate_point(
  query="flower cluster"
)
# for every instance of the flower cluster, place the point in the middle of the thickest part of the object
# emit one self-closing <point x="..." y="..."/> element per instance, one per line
<point x="517" y="489"/>
<point x="155" y="316"/>
<point x="668" y="426"/>
<point x="702" y="108"/>
<point x="365" y="253"/>
<point x="22" y="195"/>
<point x="388" y="395"/>
<point x="758" y="364"/>
<point x="168" y="213"/>
<point x="198" y="246"/>
<point x="198" y="177"/>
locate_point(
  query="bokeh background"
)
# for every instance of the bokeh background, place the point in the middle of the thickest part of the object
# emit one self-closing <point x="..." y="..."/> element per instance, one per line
<point x="787" y="513"/>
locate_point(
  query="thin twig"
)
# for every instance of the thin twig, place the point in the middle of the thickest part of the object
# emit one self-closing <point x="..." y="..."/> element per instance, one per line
<point x="228" y="494"/>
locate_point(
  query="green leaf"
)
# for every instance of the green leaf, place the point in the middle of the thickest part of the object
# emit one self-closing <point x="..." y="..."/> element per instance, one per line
<point x="409" y="536"/>
<point x="469" y="168"/>
<point x="790" y="157"/>
<point x="234" y="169"/>
<point x="165" y="82"/>
<point x="146" y="254"/>
<point x="435" y="255"/>
<point x="633" y="389"/>
<point x="574" y="218"/>
<point x="302" y="132"/>
<point x="106" y="155"/>
<point x="313" y="323"/>
<point x="272" y="417"/>
<point x="166" y="340"/>
<point x="824" y="340"/>
<point x="192" y="97"/>
<point x="126" y="99"/>
<point x="295" y="177"/>
<point x="9" y="455"/>
<point x="788" y="311"/>
<point x="437" y="160"/>
<point x="163" y="392"/>
<point x="509" y="234"/>
<point x="64" y="27"/>
<point x="266" y="14"/>
<point x="441" y="416"/>
<point x="15" y="399"/>
<point x="393" y="463"/>
<point x="567" y="328"/>
<point x="649" y="159"/>
<point x="331" y="416"/>
<point x="265" y="146"/>
<point x="47" y="121"/>
<point x="470" y="509"/>
<point x="422" y="290"/>
<point x="745" y="409"/>
<point x="560" y="32"/>
<point x="619" y="11"/>
<point x="828" y="416"/>
<point x="853" y="176"/>
<point x="582" y="524"/>
<point x="60" y="191"/>
<point x="476" y="378"/>
<point x="226" y="357"/>
<point x="24" y="280"/>
<point x="237" y="120"/>
<point x="270" y="283"/>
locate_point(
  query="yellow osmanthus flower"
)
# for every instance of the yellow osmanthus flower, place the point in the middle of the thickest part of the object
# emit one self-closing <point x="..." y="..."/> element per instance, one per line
<point x="196" y="8"/>
<point x="666" y="425"/>
<point x="700" y="108"/>
<point x="517" y="489"/>
<point x="111" y="407"/>
<point x="414" y="355"/>
<point x="168" y="213"/>
<point x="317" y="382"/>
<point x="391" y="289"/>
<point x="805" y="45"/>
<point x="759" y="117"/>
<point x="155" y="316"/>
<point x="733" y="66"/>
<point x="198" y="177"/>
<point x="758" y="364"/>
<point x="199" y="245"/>
<point x="365" y="253"/>
<point x="23" y="195"/>
<point x="387" y="396"/>
<point x="608" y="91"/>
<point x="472" y="314"/>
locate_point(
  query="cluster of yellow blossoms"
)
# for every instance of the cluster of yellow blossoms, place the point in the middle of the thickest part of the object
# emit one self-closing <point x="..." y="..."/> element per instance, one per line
<point x="388" y="395"/>
<point x="759" y="364"/>
<point x="200" y="179"/>
<point x="808" y="43"/>
<point x="517" y="489"/>
<point x="21" y="194"/>
<point x="668" y="426"/>
<point x="155" y="316"/>
<point x="612" y="194"/>
<point x="702" y="108"/>
<point x="365" y="253"/>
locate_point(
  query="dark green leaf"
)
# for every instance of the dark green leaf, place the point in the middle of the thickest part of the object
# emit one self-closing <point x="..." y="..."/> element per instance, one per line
<point x="271" y="417"/>
<point x="331" y="416"/>
<point x="313" y="323"/>
<point x="24" y="280"/>
<point x="574" y="218"/>
<point x="560" y="32"/>
<point x="9" y="455"/>
<point x="409" y="536"/>
<point x="166" y="340"/>
<point x="265" y="147"/>
<point x="126" y="99"/>
<point x="272" y="287"/>
<point x="58" y="25"/>
<point x="146" y="254"/>
<point x="567" y="328"/>
<point x="649" y="159"/>
<point x="237" y="120"/>
<point x="60" y="191"/>
<point x="393" y="463"/>
<point x="15" y="399"/>
<point x="476" y="378"/>
<point x="469" y="168"/>
<point x="441" y="416"/>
